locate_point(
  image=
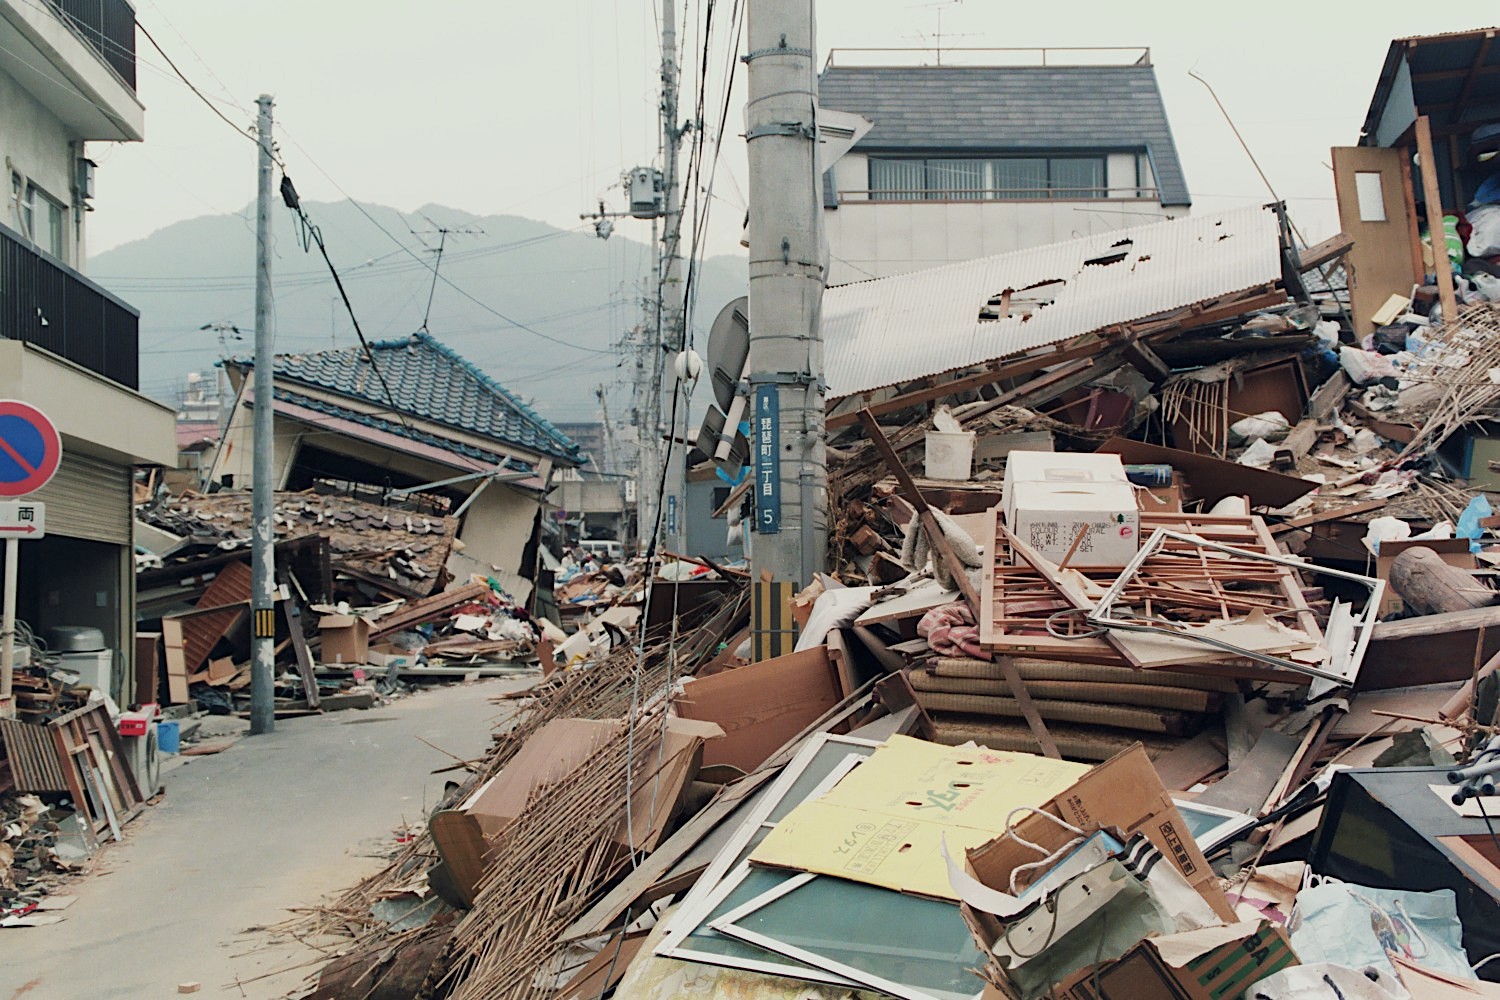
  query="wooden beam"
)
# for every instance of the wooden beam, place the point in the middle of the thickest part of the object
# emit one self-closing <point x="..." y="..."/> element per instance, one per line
<point x="944" y="550"/>
<point x="1321" y="253"/>
<point x="1433" y="196"/>
<point x="1015" y="369"/>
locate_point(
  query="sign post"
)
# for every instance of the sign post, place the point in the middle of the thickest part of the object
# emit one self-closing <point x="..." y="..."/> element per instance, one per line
<point x="30" y="452"/>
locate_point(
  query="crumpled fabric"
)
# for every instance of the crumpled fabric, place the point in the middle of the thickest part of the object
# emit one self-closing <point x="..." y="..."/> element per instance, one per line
<point x="916" y="550"/>
<point x="951" y="630"/>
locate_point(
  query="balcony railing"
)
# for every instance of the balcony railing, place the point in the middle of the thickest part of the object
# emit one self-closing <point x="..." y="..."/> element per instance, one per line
<point x="108" y="26"/>
<point x="49" y="304"/>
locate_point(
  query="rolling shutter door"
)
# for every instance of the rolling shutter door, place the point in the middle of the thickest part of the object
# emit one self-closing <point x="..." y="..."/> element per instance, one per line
<point x="89" y="498"/>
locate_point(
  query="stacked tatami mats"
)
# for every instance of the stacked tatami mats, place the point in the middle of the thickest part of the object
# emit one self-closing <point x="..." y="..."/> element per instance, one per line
<point x="1094" y="709"/>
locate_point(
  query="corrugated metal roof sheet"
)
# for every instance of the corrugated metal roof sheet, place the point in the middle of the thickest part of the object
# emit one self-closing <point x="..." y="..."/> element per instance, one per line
<point x="889" y="330"/>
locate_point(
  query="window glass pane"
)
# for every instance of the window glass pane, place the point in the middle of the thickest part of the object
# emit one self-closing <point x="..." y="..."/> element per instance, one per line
<point x="54" y="234"/>
<point x="918" y="942"/>
<point x="955" y="180"/>
<point x="1078" y="178"/>
<point x="897" y="180"/>
<point x="1018" y="178"/>
<point x="1370" y="193"/>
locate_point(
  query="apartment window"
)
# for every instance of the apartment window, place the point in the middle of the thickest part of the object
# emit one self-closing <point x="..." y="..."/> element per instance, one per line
<point x="986" y="178"/>
<point x="40" y="217"/>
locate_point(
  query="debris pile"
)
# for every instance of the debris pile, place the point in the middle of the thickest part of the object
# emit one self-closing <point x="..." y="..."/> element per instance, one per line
<point x="1158" y="660"/>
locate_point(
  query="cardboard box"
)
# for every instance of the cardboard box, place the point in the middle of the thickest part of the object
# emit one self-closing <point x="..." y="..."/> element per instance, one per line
<point x="1050" y="516"/>
<point x="466" y="836"/>
<point x="1217" y="963"/>
<point x="346" y="638"/>
<point x="760" y="706"/>
<point x="1049" y="497"/>
<point x="1123" y="794"/>
<point x="1453" y="551"/>
<point x="1064" y="467"/>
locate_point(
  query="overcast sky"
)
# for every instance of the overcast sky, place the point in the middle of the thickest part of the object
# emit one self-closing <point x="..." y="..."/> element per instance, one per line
<point x="534" y="109"/>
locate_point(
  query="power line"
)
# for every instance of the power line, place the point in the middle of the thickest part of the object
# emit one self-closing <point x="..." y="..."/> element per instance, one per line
<point x="200" y="95"/>
<point x="311" y="232"/>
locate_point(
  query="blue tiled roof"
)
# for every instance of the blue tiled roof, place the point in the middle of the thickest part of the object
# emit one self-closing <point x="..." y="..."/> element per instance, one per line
<point x="955" y="109"/>
<point x="396" y="427"/>
<point x="430" y="381"/>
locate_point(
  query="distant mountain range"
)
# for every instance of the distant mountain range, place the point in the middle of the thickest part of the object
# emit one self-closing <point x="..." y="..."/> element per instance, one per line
<point x="541" y="309"/>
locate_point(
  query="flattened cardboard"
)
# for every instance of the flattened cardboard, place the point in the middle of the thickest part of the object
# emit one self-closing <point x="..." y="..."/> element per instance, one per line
<point x="465" y="836"/>
<point x="346" y="638"/>
<point x="883" y="823"/>
<point x="1124" y="793"/>
<point x="760" y="706"/>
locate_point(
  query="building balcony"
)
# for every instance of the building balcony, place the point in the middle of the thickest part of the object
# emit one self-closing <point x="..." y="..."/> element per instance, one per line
<point x="52" y="306"/>
<point x="77" y="59"/>
<point x="107" y="27"/>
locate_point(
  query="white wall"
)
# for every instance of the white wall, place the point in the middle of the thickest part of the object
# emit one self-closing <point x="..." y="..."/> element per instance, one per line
<point x="35" y="143"/>
<point x="495" y="532"/>
<point x="875" y="239"/>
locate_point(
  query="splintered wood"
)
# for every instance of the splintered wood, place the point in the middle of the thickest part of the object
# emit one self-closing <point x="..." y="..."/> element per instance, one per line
<point x="554" y="859"/>
<point x="1033" y="608"/>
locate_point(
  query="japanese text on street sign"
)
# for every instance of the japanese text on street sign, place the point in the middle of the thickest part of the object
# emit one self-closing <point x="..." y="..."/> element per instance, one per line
<point x="671" y="515"/>
<point x="767" y="461"/>
<point x="22" y="519"/>
<point x="30" y="448"/>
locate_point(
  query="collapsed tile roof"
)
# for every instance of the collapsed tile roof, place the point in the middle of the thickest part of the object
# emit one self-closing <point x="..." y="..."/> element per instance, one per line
<point x="427" y="380"/>
<point x="1046" y="109"/>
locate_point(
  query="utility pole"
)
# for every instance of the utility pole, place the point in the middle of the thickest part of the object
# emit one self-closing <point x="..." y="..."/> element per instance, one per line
<point x="263" y="496"/>
<point x="786" y="296"/>
<point x="670" y="307"/>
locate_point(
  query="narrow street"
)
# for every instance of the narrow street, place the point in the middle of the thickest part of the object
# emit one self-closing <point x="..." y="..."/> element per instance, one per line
<point x="273" y="822"/>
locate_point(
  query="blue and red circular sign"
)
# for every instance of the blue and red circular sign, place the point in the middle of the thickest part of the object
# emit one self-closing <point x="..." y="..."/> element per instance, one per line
<point x="30" y="449"/>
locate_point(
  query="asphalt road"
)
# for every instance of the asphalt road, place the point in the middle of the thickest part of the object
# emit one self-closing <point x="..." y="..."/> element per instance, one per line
<point x="273" y="822"/>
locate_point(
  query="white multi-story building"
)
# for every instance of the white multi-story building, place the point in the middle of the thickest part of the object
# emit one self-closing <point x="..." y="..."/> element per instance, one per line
<point x="67" y="346"/>
<point x="967" y="161"/>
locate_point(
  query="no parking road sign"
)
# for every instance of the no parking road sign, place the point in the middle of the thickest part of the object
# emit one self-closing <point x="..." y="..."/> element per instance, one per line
<point x="30" y="449"/>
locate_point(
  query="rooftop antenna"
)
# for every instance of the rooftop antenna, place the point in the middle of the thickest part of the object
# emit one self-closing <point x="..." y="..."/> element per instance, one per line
<point x="936" y="38"/>
<point x="442" y="233"/>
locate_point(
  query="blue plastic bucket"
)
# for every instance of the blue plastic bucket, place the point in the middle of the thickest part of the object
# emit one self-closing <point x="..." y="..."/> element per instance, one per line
<point x="167" y="736"/>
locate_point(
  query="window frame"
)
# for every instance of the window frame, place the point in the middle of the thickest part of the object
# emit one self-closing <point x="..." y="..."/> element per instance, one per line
<point x="989" y="191"/>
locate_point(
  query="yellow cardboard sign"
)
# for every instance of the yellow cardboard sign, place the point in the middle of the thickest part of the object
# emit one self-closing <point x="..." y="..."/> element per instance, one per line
<point x="883" y="823"/>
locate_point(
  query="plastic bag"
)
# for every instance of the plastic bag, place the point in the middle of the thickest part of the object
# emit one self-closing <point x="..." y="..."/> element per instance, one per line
<point x="1354" y="926"/>
<point x="1258" y="455"/>
<point x="1468" y="521"/>
<point x="1327" y="982"/>
<point x="1365" y="367"/>
<point x="1270" y="425"/>
<point x="1484" y="240"/>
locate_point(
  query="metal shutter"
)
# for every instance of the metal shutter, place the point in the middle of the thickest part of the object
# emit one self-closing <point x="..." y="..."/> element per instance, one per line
<point x="89" y="498"/>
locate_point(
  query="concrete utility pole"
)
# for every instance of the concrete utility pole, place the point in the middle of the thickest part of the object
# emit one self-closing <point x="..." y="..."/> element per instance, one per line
<point x="670" y="307"/>
<point x="786" y="295"/>
<point x="263" y="496"/>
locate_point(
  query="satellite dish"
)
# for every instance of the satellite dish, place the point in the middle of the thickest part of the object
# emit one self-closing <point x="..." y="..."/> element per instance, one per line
<point x="728" y="350"/>
<point x="709" y="435"/>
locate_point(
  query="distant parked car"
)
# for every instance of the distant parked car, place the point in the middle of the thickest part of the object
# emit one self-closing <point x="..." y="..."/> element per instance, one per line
<point x="606" y="550"/>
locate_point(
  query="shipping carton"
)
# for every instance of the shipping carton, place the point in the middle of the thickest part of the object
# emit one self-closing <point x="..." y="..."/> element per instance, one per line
<point x="1123" y="794"/>
<point x="346" y="638"/>
<point x="1050" y="498"/>
<point x="1050" y="517"/>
